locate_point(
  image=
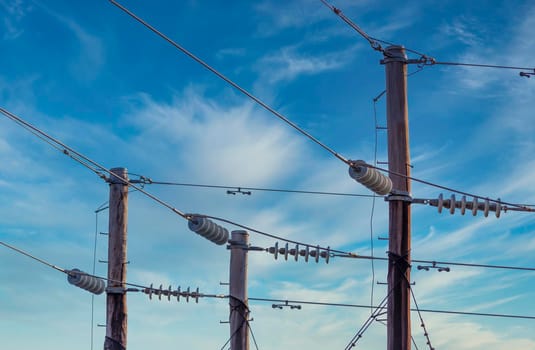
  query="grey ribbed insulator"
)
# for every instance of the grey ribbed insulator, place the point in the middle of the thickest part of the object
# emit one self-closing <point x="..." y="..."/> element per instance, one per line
<point x="371" y="178"/>
<point x="208" y="229"/>
<point x="81" y="279"/>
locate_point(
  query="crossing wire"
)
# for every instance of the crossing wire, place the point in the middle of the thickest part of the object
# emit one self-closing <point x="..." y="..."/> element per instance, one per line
<point x="424" y="60"/>
<point x="272" y="110"/>
<point x="220" y="296"/>
<point x="98" y="169"/>
<point x="229" y="81"/>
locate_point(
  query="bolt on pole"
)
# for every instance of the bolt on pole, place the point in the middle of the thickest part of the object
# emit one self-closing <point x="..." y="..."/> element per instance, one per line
<point x="399" y="245"/>
<point x="116" y="310"/>
<point x="239" y="309"/>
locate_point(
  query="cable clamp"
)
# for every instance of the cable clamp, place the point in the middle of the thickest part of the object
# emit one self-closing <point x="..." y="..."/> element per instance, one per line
<point x="115" y="290"/>
<point x="397" y="195"/>
<point x="237" y="244"/>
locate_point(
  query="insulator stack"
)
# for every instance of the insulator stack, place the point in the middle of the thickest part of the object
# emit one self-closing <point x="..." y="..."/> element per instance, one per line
<point x="474" y="205"/>
<point x="208" y="229"/>
<point x="83" y="280"/>
<point x="371" y="178"/>
<point x="309" y="251"/>
<point x="169" y="292"/>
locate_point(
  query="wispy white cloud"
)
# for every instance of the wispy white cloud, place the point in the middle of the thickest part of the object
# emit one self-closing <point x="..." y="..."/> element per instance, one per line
<point x="205" y="134"/>
<point x="15" y="12"/>
<point x="288" y="64"/>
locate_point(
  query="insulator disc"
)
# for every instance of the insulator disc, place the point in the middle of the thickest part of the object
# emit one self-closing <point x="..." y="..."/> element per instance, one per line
<point x="463" y="204"/>
<point x="208" y="229"/>
<point x="498" y="208"/>
<point x="486" y="208"/>
<point x="440" y="203"/>
<point x="296" y="256"/>
<point x="452" y="204"/>
<point x="286" y="252"/>
<point x="475" y="205"/>
<point x="371" y="178"/>
<point x="81" y="279"/>
<point x="276" y="255"/>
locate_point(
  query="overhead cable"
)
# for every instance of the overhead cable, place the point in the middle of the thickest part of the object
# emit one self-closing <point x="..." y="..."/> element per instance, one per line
<point x="228" y="80"/>
<point x="152" y="182"/>
<point x="424" y="59"/>
<point x="85" y="161"/>
<point x="256" y="99"/>
<point x="361" y="306"/>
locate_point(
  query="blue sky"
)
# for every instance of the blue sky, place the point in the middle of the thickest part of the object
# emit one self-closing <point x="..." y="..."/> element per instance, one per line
<point x="89" y="75"/>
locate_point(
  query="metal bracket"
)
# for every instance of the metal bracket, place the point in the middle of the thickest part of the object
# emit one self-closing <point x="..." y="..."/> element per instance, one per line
<point x="399" y="196"/>
<point x="115" y="290"/>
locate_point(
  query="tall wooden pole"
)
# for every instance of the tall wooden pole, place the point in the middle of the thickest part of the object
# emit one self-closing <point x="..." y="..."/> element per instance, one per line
<point x="399" y="245"/>
<point x="116" y="311"/>
<point x="239" y="311"/>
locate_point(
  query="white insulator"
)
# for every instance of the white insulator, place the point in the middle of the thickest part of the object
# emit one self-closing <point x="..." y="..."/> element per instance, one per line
<point x="326" y="254"/>
<point x="475" y="205"/>
<point x="196" y="295"/>
<point x="371" y="178"/>
<point x="208" y="229"/>
<point x="486" y="208"/>
<point x="151" y="290"/>
<point x="90" y="283"/>
<point x="440" y="203"/>
<point x="463" y="204"/>
<point x="452" y="204"/>
<point x="498" y="208"/>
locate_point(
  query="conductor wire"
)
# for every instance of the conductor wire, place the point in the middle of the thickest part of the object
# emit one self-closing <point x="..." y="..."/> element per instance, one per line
<point x="85" y="161"/>
<point x="34" y="257"/>
<point x="229" y="81"/>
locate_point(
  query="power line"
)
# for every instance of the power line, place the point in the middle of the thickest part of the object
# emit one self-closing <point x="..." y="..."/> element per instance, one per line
<point x="373" y="42"/>
<point x="151" y="182"/>
<point x="482" y="65"/>
<point x="451" y="312"/>
<point x="515" y="207"/>
<point x="82" y="159"/>
<point x="85" y="161"/>
<point x="521" y="268"/>
<point x="219" y="296"/>
<point x="424" y="59"/>
<point x="229" y="81"/>
<point x="368" y="322"/>
<point x="33" y="257"/>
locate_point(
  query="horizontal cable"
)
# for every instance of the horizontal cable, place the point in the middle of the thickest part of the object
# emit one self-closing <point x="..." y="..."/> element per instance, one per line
<point x="452" y="312"/>
<point x="151" y="182"/>
<point x="366" y="257"/>
<point x="20" y="251"/>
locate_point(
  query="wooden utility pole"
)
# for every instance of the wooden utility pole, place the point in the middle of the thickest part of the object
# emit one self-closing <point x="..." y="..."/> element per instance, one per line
<point x="239" y="310"/>
<point x="399" y="245"/>
<point x="116" y="311"/>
